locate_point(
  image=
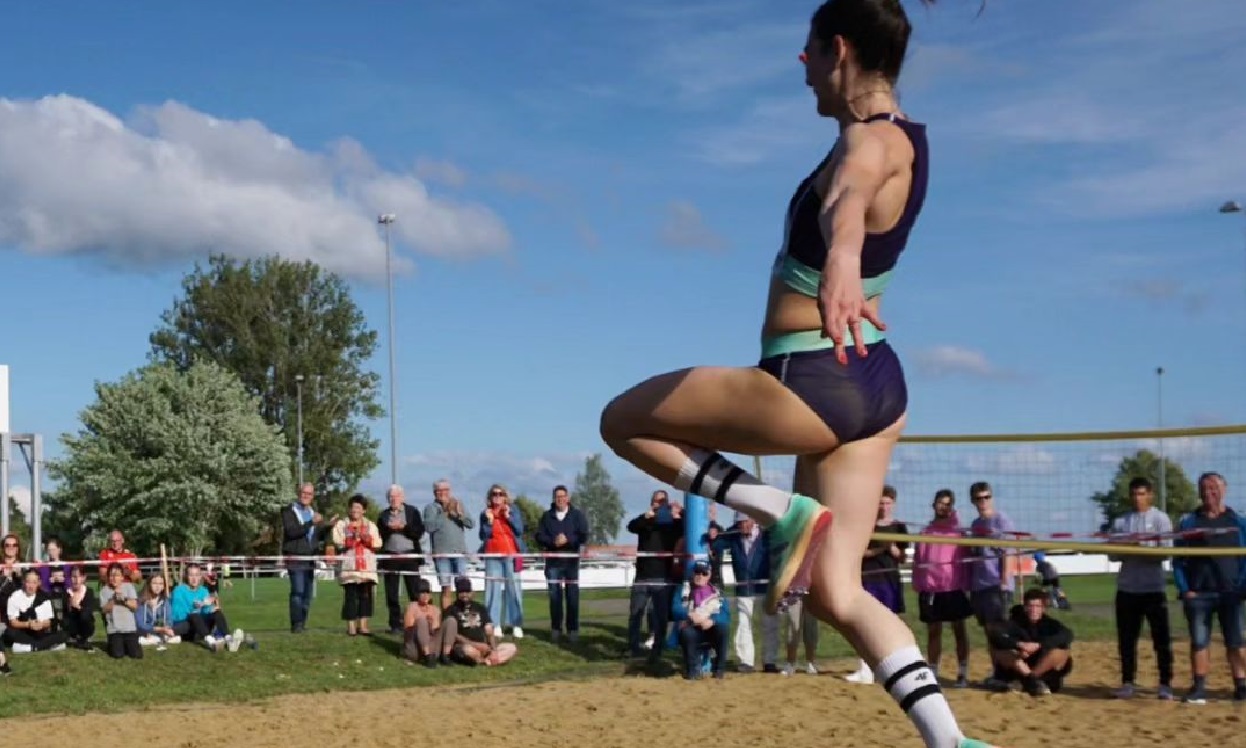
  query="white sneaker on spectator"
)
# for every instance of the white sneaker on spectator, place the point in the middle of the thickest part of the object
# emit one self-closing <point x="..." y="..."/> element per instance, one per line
<point x="1126" y="691"/>
<point x="236" y="640"/>
<point x="57" y="648"/>
<point x="211" y="642"/>
<point x="811" y="668"/>
<point x="788" y="669"/>
<point x="517" y="632"/>
<point x="21" y="648"/>
<point x="864" y="675"/>
<point x="148" y="640"/>
<point x="648" y="644"/>
<point x="175" y="639"/>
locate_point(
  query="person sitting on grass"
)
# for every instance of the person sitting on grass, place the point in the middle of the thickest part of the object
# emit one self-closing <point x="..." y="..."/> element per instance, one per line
<point x="155" y="616"/>
<point x="421" y="626"/>
<point x="197" y="616"/>
<point x="1032" y="647"/>
<point x="118" y="601"/>
<point x="701" y="618"/>
<point x="468" y="636"/>
<point x="78" y="610"/>
<point x="32" y="622"/>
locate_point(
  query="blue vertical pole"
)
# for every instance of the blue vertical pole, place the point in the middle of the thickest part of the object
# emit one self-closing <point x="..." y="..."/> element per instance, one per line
<point x="696" y="525"/>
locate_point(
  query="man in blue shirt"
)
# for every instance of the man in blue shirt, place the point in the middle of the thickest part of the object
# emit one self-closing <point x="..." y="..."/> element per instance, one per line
<point x="300" y="525"/>
<point x="1212" y="585"/>
<point x="563" y="529"/>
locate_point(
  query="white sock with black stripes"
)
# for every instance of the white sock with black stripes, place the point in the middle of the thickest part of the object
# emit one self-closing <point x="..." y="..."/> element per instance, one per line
<point x="911" y="682"/>
<point x="713" y="476"/>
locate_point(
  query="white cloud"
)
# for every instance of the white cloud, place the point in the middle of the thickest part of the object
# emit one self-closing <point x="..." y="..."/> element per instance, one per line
<point x="1127" y="96"/>
<point x="952" y="360"/>
<point x="440" y="172"/>
<point x="770" y="126"/>
<point x="684" y="228"/>
<point x="1026" y="459"/>
<point x="173" y="183"/>
<point x="701" y="66"/>
<point x="471" y="473"/>
<point x="1201" y="450"/>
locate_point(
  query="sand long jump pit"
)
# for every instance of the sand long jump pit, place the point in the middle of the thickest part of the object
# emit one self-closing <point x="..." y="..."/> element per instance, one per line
<point x="628" y="711"/>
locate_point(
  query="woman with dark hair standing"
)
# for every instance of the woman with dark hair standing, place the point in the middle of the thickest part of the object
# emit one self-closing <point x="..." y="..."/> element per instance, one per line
<point x="828" y="388"/>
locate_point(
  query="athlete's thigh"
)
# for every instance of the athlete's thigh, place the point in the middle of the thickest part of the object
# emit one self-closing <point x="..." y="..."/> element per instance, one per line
<point x="849" y="482"/>
<point x="731" y="409"/>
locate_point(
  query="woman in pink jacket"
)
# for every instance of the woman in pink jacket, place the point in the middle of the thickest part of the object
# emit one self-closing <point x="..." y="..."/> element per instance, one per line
<point x="940" y="579"/>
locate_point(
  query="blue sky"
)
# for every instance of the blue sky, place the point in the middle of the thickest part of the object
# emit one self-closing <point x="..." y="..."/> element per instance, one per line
<point x="590" y="193"/>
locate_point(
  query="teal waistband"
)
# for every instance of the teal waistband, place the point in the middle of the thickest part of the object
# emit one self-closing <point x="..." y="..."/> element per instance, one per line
<point x="804" y="280"/>
<point x="812" y="340"/>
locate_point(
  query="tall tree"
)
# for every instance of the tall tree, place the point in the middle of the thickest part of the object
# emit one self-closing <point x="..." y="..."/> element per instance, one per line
<point x="530" y="512"/>
<point x="182" y="458"/>
<point x="597" y="497"/>
<point x="1182" y="495"/>
<point x="270" y="321"/>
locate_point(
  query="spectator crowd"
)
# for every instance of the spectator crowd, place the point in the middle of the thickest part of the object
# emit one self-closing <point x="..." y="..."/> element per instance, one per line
<point x="56" y="604"/>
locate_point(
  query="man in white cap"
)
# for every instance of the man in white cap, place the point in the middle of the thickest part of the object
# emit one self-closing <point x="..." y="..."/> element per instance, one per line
<point x="750" y="563"/>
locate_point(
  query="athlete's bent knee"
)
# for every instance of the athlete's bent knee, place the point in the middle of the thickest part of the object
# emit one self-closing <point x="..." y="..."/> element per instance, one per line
<point x="613" y="424"/>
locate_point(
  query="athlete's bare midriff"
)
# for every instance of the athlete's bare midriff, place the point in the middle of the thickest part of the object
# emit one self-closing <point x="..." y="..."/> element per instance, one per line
<point x="789" y="311"/>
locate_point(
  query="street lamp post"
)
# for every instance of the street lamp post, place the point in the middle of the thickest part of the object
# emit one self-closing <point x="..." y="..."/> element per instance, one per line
<point x="298" y="386"/>
<point x="1159" y="413"/>
<point x="386" y="220"/>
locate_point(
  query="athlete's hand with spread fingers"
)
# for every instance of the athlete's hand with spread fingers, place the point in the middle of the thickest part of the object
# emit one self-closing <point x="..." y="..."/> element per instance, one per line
<point x="842" y="305"/>
<point x="852" y="184"/>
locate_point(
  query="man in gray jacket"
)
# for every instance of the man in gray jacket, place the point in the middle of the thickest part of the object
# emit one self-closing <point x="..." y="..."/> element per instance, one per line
<point x="445" y="522"/>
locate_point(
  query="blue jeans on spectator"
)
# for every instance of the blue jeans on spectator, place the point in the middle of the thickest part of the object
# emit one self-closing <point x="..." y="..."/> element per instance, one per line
<point x="448" y="569"/>
<point x="301" y="581"/>
<point x="692" y="638"/>
<point x="1227" y="607"/>
<point x="558" y="576"/>
<point x="501" y="581"/>
<point x="655" y="592"/>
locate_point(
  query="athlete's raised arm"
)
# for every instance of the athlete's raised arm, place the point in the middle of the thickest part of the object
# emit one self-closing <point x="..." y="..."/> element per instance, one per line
<point x="860" y="173"/>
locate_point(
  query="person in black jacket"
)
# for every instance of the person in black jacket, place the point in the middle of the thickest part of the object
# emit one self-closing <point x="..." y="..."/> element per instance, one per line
<point x="401" y="530"/>
<point x="1032" y="647"/>
<point x="301" y="528"/>
<point x="563" y="529"/>
<point x="658" y="531"/>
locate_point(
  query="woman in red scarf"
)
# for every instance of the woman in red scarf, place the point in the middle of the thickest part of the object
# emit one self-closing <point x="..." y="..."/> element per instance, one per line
<point x="501" y="530"/>
<point x="357" y="538"/>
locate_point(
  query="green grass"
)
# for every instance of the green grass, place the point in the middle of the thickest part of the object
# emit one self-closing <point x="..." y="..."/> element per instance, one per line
<point x="324" y="659"/>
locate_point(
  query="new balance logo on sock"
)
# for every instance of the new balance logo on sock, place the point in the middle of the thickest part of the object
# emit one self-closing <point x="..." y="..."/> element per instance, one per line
<point x="908" y="678"/>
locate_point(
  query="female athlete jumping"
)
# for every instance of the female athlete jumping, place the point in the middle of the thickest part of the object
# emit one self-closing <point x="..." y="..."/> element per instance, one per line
<point x="828" y="389"/>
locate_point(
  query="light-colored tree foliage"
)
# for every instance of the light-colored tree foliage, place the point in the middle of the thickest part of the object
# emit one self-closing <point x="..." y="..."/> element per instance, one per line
<point x="597" y="497"/>
<point x="176" y="457"/>
<point x="531" y="513"/>
<point x="269" y="321"/>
